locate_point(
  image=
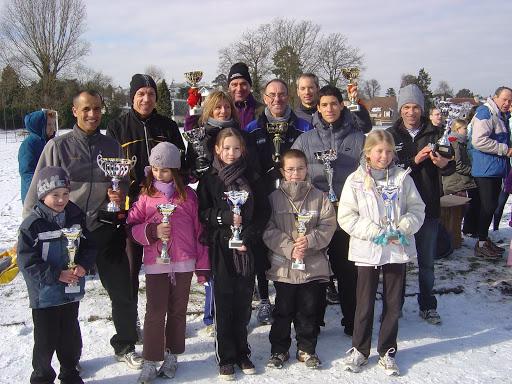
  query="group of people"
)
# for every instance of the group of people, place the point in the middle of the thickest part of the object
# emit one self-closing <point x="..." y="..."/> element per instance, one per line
<point x="254" y="213"/>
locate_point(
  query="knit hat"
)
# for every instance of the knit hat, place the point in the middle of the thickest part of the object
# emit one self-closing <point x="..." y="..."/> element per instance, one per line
<point x="165" y="155"/>
<point x="140" y="81"/>
<point x="239" y="71"/>
<point x="49" y="179"/>
<point x="411" y="94"/>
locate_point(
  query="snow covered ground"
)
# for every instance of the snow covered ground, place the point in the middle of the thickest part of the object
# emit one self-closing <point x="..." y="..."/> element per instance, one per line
<point x="473" y="345"/>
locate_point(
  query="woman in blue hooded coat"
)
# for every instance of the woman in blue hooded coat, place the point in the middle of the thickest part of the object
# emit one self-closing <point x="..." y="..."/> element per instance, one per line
<point x="41" y="127"/>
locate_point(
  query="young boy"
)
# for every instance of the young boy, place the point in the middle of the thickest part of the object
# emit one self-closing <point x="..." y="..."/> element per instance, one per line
<point x="301" y="226"/>
<point x="43" y="259"/>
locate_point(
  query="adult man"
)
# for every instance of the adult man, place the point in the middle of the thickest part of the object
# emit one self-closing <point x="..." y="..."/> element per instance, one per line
<point x="307" y="90"/>
<point x="77" y="152"/>
<point x="335" y="128"/>
<point x="490" y="138"/>
<point x="414" y="136"/>
<point x="277" y="111"/>
<point x="138" y="131"/>
<point x="436" y="118"/>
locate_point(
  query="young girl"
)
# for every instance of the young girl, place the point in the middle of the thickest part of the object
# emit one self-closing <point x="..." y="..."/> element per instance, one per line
<point x="167" y="285"/>
<point x="233" y="269"/>
<point x="375" y="247"/>
<point x="298" y="292"/>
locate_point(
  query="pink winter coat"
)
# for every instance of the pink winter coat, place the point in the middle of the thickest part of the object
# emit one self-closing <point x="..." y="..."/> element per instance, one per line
<point x="185" y="250"/>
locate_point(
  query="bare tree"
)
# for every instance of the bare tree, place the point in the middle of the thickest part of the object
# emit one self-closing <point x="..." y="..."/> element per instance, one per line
<point x="407" y="79"/>
<point x="443" y="89"/>
<point x="43" y="37"/>
<point x="371" y="88"/>
<point x="155" y="72"/>
<point x="334" y="53"/>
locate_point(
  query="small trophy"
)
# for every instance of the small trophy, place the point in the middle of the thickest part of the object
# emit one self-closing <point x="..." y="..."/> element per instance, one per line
<point x="443" y="146"/>
<point x="72" y="234"/>
<point x="166" y="210"/>
<point x="351" y="74"/>
<point x="277" y="130"/>
<point x="194" y="97"/>
<point x="302" y="219"/>
<point x="326" y="157"/>
<point x="195" y="137"/>
<point x="389" y="195"/>
<point x="237" y="199"/>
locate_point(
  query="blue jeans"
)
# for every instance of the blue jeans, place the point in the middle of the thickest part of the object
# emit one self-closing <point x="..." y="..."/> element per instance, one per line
<point x="208" y="304"/>
<point x="426" y="246"/>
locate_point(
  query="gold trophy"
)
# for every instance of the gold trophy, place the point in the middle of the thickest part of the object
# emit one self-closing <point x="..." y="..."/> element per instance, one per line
<point x="72" y="234"/>
<point x="277" y="130"/>
<point x="194" y="97"/>
<point x="351" y="74"/>
<point x="166" y="210"/>
<point x="302" y="219"/>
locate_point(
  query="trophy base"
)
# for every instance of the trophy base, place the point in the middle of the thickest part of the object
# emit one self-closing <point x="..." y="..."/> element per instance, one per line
<point x="444" y="150"/>
<point x="159" y="260"/>
<point x="112" y="218"/>
<point x="298" y="265"/>
<point x="235" y="243"/>
<point x="196" y="111"/>
<point x="72" y="289"/>
<point x="354" y="108"/>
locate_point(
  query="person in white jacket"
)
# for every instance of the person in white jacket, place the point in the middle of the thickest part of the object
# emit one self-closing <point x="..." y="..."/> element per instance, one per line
<point x="381" y="209"/>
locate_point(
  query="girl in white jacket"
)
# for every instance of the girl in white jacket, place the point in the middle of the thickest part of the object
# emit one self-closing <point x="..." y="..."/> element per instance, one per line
<point x="381" y="209"/>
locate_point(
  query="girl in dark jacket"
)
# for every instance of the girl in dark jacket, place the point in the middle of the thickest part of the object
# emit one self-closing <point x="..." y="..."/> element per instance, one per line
<point x="233" y="269"/>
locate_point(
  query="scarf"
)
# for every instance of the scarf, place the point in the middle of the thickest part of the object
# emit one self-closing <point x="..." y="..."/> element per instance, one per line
<point x="166" y="188"/>
<point x="221" y="123"/>
<point x="273" y="119"/>
<point x="231" y="174"/>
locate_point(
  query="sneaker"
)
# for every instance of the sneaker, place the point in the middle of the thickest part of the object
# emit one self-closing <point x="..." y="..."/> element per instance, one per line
<point x="312" y="361"/>
<point x="431" y="316"/>
<point x="331" y="295"/>
<point x="148" y="373"/>
<point x="132" y="359"/>
<point x="140" y="333"/>
<point x="169" y="366"/>
<point x="264" y="315"/>
<point x="355" y="361"/>
<point x="227" y="372"/>
<point x="247" y="366"/>
<point x="388" y="363"/>
<point x="277" y="360"/>
<point x="494" y="247"/>
<point x="486" y="252"/>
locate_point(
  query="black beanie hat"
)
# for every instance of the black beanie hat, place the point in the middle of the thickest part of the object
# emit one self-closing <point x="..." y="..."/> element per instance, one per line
<point x="239" y="70"/>
<point x="50" y="178"/>
<point x="140" y="81"/>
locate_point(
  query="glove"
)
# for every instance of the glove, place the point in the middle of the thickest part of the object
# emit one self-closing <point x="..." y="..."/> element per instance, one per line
<point x="202" y="164"/>
<point x="387" y="237"/>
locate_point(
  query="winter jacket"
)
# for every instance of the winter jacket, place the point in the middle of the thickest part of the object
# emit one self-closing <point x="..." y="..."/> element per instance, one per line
<point x="77" y="153"/>
<point x="31" y="148"/>
<point x="281" y="232"/>
<point x="217" y="216"/>
<point x="426" y="174"/>
<point x="490" y="139"/>
<point x="461" y="179"/>
<point x="344" y="136"/>
<point x="261" y="140"/>
<point x="42" y="255"/>
<point x="184" y="247"/>
<point x="361" y="211"/>
<point x="137" y="137"/>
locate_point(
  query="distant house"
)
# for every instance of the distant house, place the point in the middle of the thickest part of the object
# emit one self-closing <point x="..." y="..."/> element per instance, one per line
<point x="179" y="108"/>
<point x="383" y="110"/>
<point x="462" y="100"/>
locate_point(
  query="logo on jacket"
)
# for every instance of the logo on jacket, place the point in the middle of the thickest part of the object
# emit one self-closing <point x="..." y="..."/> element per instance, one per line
<point x="261" y="141"/>
<point x="399" y="146"/>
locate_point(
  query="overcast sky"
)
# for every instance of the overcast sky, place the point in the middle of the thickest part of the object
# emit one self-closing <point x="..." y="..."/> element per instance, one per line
<point x="464" y="42"/>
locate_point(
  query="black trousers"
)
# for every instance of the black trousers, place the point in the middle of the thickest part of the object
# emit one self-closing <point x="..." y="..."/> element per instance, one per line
<point x="346" y="273"/>
<point x="233" y="298"/>
<point x="134" y="252"/>
<point x="472" y="214"/>
<point x="262" y="281"/>
<point x="367" y="283"/>
<point x="300" y="304"/>
<point x="489" y="189"/>
<point x="56" y="329"/>
<point x="114" y="272"/>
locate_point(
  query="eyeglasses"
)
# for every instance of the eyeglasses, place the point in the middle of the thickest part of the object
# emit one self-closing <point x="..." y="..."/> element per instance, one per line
<point x="290" y="170"/>
<point x="273" y="96"/>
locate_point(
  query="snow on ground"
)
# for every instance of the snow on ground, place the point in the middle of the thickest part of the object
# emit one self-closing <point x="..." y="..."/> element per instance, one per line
<point x="473" y="345"/>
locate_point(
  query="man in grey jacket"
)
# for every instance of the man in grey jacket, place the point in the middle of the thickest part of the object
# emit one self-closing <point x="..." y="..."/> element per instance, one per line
<point x="76" y="152"/>
<point x="335" y="128"/>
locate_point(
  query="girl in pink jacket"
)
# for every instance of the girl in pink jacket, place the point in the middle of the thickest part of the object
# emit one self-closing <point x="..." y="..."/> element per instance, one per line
<point x="172" y="252"/>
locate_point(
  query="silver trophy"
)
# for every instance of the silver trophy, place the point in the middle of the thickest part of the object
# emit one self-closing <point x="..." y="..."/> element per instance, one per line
<point x="72" y="234"/>
<point x="351" y="74"/>
<point x="302" y="219"/>
<point x="116" y="168"/>
<point x="277" y="130"/>
<point x="166" y="211"/>
<point x="443" y="146"/>
<point x="326" y="157"/>
<point x="195" y="137"/>
<point x="389" y="195"/>
<point x="237" y="199"/>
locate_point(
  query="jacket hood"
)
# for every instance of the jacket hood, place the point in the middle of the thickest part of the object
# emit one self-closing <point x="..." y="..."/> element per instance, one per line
<point x="35" y="122"/>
